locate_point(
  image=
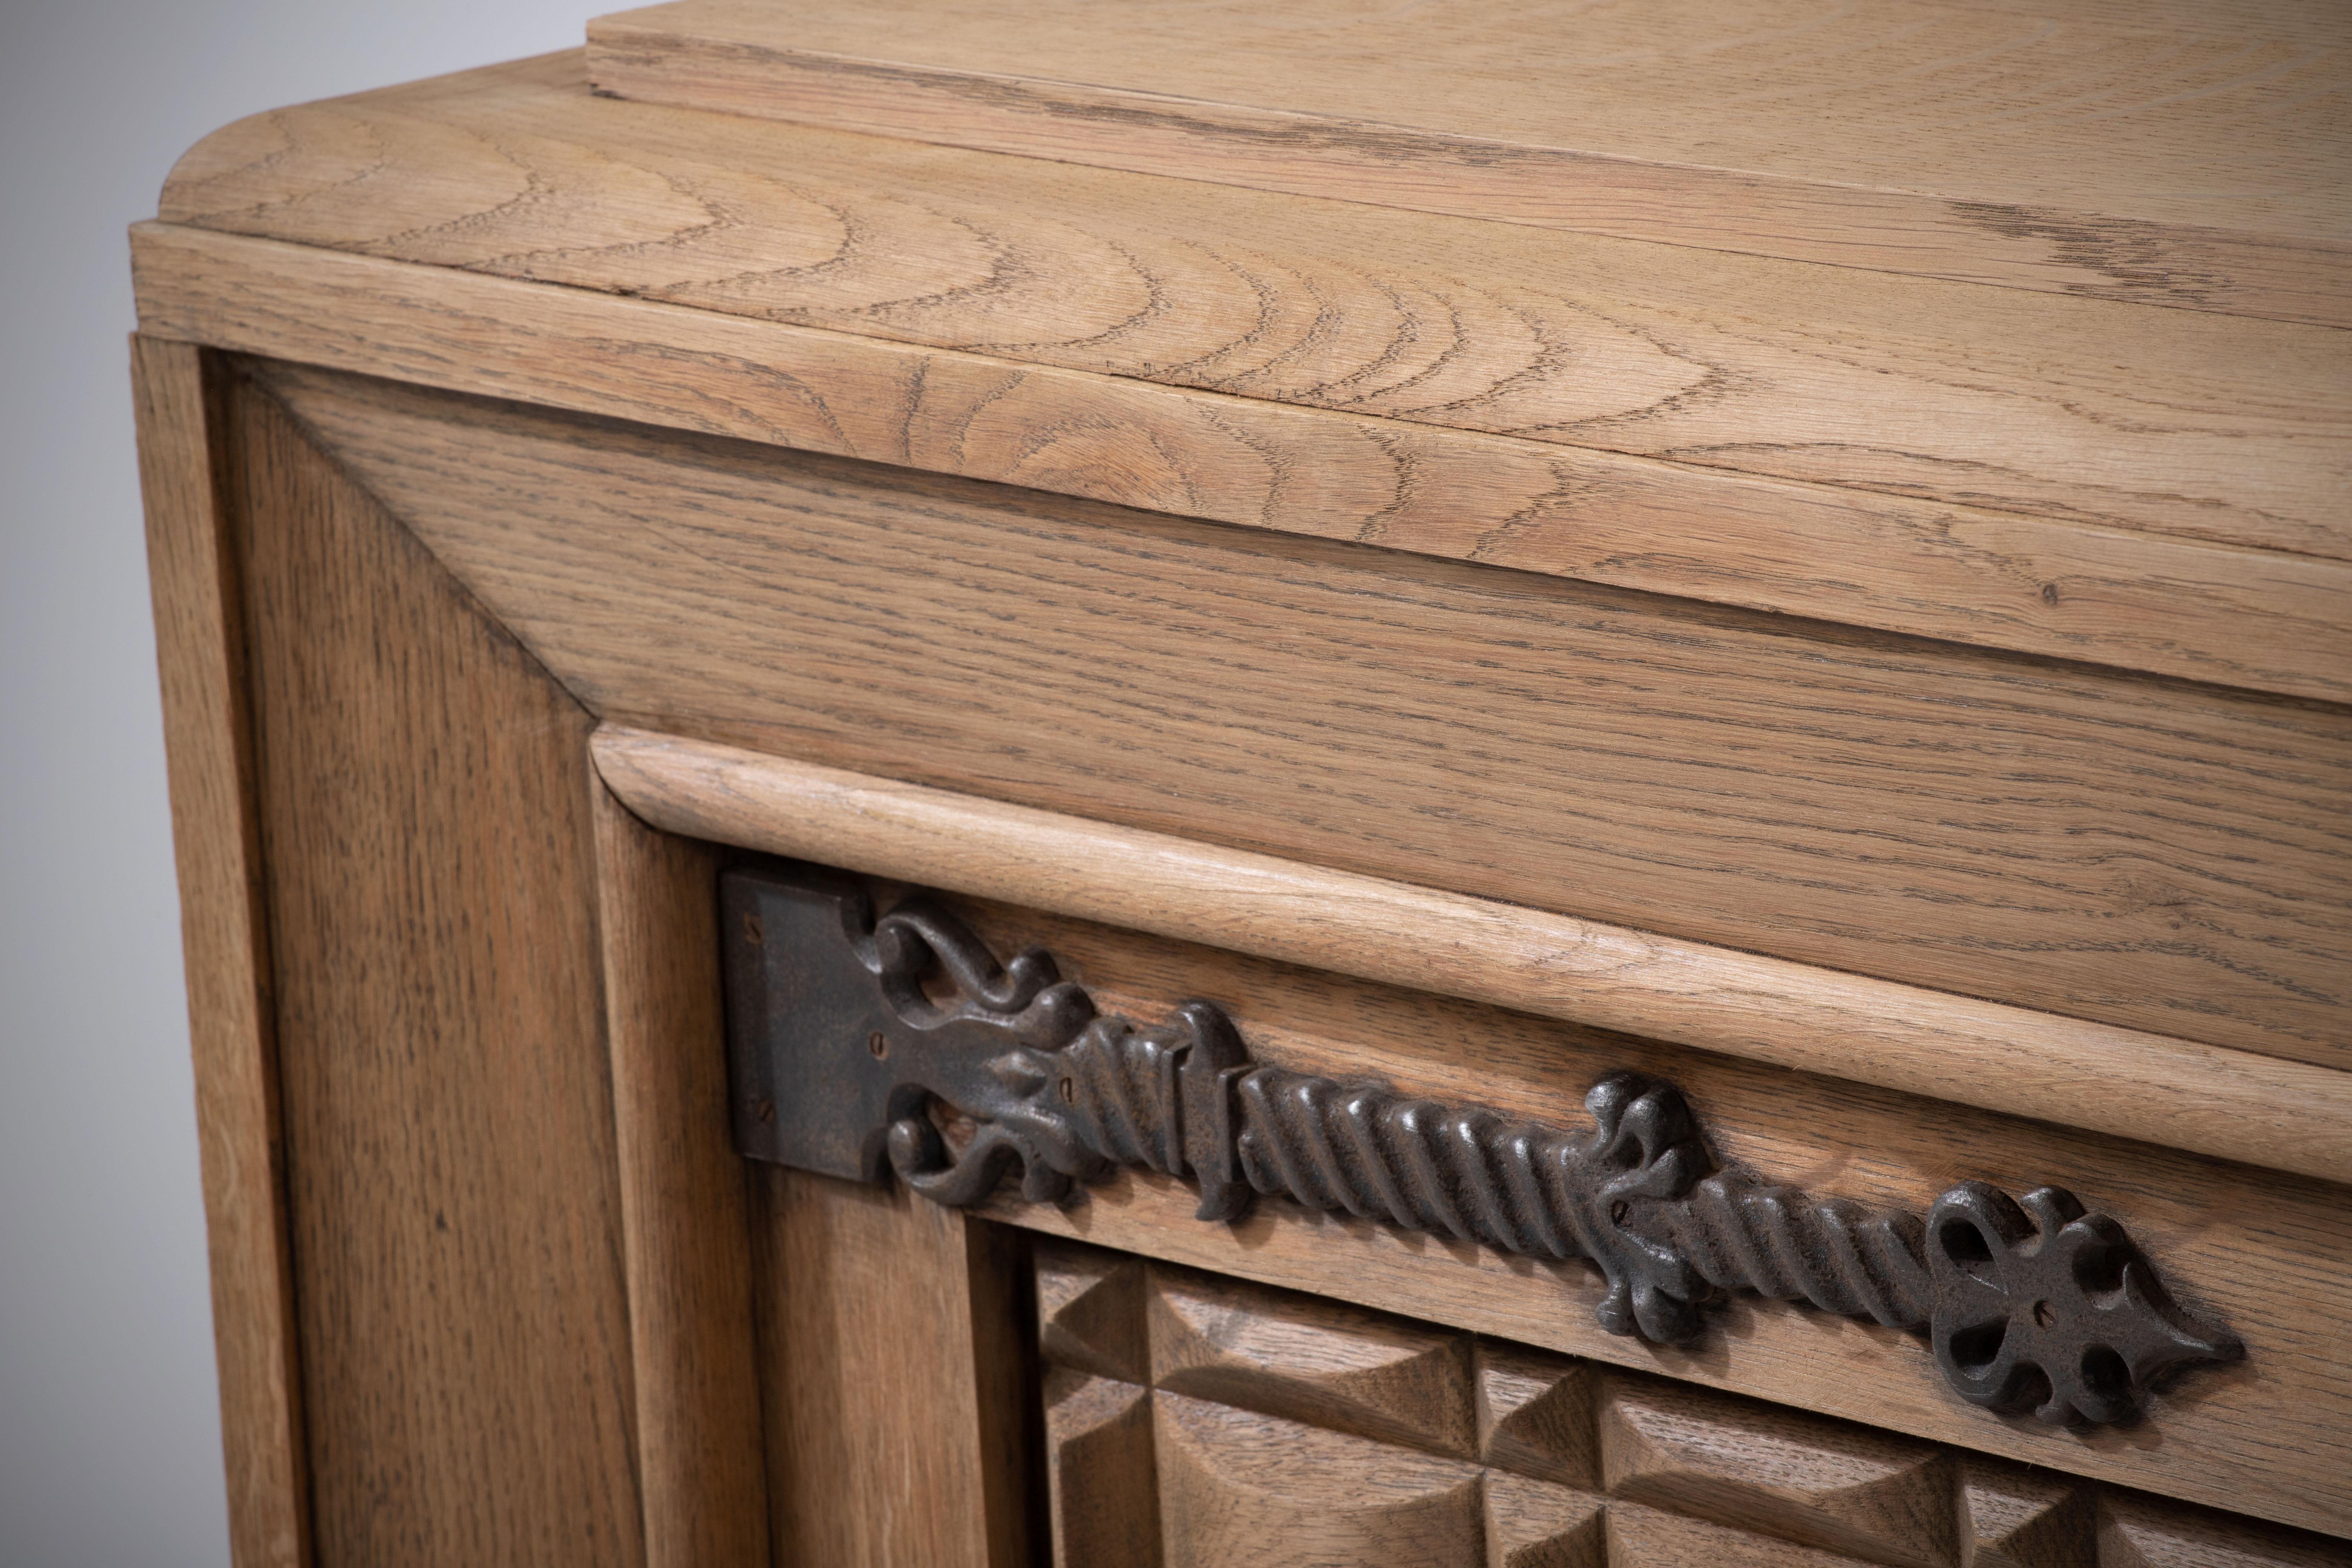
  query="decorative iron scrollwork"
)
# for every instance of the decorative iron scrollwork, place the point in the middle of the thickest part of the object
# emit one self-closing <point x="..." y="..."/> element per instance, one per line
<point x="853" y="1039"/>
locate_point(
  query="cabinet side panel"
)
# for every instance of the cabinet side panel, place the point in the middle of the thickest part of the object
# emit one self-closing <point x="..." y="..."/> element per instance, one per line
<point x="201" y="654"/>
<point x="894" y="1376"/>
<point x="682" y="1200"/>
<point x="455" y="1222"/>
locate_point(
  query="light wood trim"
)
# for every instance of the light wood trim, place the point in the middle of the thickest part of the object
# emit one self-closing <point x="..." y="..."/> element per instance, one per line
<point x="2157" y="855"/>
<point x="2201" y="426"/>
<point x="453" y="1187"/>
<point x="2287" y="1116"/>
<point x="2259" y="619"/>
<point x="685" y="1234"/>
<point x="2291" y="1470"/>
<point x="1625" y="121"/>
<point x="207" y="730"/>
<point x="895" y="1376"/>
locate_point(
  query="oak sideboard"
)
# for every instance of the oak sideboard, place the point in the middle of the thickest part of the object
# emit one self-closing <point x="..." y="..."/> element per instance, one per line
<point x="1315" y="783"/>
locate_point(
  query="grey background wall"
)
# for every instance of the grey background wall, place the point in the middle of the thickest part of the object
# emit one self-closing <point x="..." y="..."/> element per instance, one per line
<point x="110" y="1446"/>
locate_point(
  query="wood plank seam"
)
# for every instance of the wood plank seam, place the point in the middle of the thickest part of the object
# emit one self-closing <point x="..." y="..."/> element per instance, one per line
<point x="2172" y="422"/>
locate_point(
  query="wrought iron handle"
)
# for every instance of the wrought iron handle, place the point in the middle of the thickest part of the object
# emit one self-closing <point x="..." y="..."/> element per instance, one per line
<point x="846" y="1032"/>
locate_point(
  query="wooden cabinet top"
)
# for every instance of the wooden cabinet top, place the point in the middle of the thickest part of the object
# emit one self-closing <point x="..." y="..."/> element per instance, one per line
<point x="2180" y="154"/>
<point x="2053" y="465"/>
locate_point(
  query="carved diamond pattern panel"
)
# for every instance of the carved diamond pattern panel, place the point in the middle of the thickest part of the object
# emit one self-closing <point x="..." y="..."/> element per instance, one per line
<point x="1237" y="1487"/>
<point x="1103" y="1493"/>
<point x="1194" y="1421"/>
<point x="1824" y="1483"/>
<point x="2012" y="1518"/>
<point x="1317" y="1361"/>
<point x="2137" y="1531"/>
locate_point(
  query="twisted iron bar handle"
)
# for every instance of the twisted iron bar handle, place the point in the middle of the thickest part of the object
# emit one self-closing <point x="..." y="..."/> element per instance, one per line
<point x="2035" y="1306"/>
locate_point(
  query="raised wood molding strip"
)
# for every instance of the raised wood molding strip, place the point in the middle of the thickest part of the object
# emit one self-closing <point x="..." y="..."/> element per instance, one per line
<point x="2235" y="1105"/>
<point x="2259" y="619"/>
<point x="1878" y="135"/>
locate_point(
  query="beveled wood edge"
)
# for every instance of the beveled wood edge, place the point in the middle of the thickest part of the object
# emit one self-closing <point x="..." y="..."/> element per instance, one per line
<point x="2262" y="620"/>
<point x="647" y="55"/>
<point x="2232" y="1104"/>
<point x="216" y="843"/>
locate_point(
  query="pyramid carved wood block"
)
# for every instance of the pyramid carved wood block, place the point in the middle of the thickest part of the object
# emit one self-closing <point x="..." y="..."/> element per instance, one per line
<point x="1578" y="1465"/>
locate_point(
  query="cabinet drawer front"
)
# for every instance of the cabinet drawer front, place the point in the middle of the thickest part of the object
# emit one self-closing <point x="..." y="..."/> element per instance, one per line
<point x="1376" y="1144"/>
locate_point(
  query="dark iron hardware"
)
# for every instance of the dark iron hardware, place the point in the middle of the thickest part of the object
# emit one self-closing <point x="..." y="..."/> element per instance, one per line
<point x="849" y="1035"/>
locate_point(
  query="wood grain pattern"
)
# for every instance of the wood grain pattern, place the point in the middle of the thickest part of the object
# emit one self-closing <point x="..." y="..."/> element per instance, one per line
<point x="1536" y="1415"/>
<point x="687" y="1240"/>
<point x="456" y="1218"/>
<point x="1242" y="1489"/>
<point x="2232" y="1104"/>
<point x="2148" y="1532"/>
<point x="1820" y="1483"/>
<point x="201" y="653"/>
<point x="2050" y="586"/>
<point x="1105" y="1486"/>
<point x="2025" y="1519"/>
<point x="1530" y="1524"/>
<point x="1091" y="1313"/>
<point x="2197" y="426"/>
<point x="1688" y="1476"/>
<point x="894" y="1386"/>
<point x="1321" y="1362"/>
<point x="1953" y="141"/>
<point x="1649" y="1537"/>
<point x="2160" y="857"/>
<point x="1857" y="1374"/>
<point x="2268" y="1255"/>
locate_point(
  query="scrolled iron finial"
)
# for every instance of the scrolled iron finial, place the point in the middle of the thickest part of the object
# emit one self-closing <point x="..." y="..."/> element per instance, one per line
<point x="848" y="1034"/>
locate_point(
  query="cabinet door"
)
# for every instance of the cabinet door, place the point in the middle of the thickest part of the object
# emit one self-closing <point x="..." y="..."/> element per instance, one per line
<point x="1317" y="1280"/>
<point x="1193" y="1420"/>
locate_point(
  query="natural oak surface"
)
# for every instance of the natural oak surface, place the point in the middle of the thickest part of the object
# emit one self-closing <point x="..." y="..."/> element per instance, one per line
<point x="2268" y="1254"/>
<point x="892" y="1369"/>
<point x="2223" y="429"/>
<point x="453" y="1188"/>
<point x="686" y="1234"/>
<point x="2165" y="857"/>
<point x="2185" y="156"/>
<point x="2050" y="586"/>
<point x="200" y="650"/>
<point x="1315" y="1446"/>
<point x="2234" y="1105"/>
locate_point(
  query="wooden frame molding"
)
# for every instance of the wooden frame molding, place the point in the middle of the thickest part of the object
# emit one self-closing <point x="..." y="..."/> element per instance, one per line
<point x="686" y="1228"/>
<point x="2236" y="1105"/>
<point x="200" y="647"/>
<point x="2259" y="619"/>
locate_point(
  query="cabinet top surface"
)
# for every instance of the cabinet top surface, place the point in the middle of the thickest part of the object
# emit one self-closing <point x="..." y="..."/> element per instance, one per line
<point x="2021" y="467"/>
<point x="2227" y="116"/>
